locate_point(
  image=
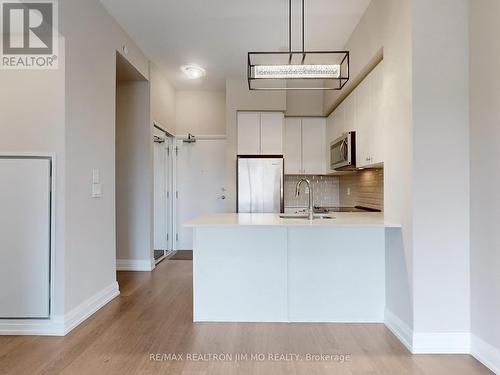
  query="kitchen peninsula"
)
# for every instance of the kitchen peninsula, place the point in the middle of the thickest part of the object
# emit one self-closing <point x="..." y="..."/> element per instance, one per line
<point x="283" y="268"/>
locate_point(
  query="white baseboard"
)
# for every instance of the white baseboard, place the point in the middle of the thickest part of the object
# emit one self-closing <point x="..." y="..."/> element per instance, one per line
<point x="485" y="353"/>
<point x="60" y="325"/>
<point x="89" y="307"/>
<point x="400" y="329"/>
<point x="428" y="343"/>
<point x="135" y="265"/>
<point x="18" y="327"/>
<point x="441" y="343"/>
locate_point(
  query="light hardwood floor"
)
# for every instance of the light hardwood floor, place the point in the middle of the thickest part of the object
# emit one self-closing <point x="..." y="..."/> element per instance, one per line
<point x="153" y="314"/>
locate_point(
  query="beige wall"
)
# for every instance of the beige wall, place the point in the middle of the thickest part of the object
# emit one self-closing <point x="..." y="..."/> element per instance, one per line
<point x="304" y="103"/>
<point x="201" y="112"/>
<point x="387" y="24"/>
<point x="484" y="164"/>
<point x="92" y="39"/>
<point x="32" y="121"/>
<point x="134" y="188"/>
<point x="71" y="112"/>
<point x="163" y="105"/>
<point x="441" y="166"/>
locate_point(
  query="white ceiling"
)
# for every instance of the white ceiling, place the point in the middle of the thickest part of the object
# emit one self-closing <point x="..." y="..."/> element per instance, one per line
<point x="217" y="34"/>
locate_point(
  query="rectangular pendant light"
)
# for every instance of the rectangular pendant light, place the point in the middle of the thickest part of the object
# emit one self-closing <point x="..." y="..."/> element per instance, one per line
<point x="313" y="70"/>
<point x="297" y="70"/>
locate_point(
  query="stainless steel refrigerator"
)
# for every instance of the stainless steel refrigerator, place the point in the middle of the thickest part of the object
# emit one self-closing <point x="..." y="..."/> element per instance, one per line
<point x="260" y="184"/>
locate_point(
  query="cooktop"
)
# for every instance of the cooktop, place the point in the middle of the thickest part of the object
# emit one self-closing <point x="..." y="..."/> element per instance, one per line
<point x="344" y="209"/>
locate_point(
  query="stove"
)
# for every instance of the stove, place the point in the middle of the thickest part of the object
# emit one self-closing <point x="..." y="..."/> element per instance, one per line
<point x="344" y="209"/>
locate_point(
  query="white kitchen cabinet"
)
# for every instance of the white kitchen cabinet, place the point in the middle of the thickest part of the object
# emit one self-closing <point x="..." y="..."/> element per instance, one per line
<point x="362" y="111"/>
<point x="304" y="146"/>
<point x="336" y="123"/>
<point x="260" y="133"/>
<point x="293" y="145"/>
<point x="363" y="123"/>
<point x="370" y="120"/>
<point x="271" y="133"/>
<point x="248" y="133"/>
<point x="350" y="115"/>
<point x="377" y="146"/>
<point x="313" y="145"/>
<point x="334" y="129"/>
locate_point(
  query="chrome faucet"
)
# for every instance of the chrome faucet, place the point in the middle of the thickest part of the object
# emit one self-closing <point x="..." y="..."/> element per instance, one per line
<point x="311" y="195"/>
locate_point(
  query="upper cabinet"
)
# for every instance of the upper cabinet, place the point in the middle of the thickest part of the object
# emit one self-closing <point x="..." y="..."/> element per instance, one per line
<point x="304" y="146"/>
<point x="313" y="145"/>
<point x="248" y="133"/>
<point x="363" y="112"/>
<point x="260" y="133"/>
<point x="293" y="145"/>
<point x="271" y="133"/>
<point x="364" y="123"/>
<point x="377" y="134"/>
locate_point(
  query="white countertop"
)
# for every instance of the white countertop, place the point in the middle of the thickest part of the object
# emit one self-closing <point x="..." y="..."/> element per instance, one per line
<point x="347" y="219"/>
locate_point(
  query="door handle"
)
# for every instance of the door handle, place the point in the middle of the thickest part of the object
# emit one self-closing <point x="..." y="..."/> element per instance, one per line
<point x="343" y="150"/>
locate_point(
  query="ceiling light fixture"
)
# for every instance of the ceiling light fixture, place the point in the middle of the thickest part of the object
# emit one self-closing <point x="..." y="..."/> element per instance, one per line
<point x="297" y="70"/>
<point x="193" y="71"/>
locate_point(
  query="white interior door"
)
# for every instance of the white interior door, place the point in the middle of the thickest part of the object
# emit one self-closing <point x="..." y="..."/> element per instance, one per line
<point x="160" y="196"/>
<point x="201" y="170"/>
<point x="25" y="200"/>
<point x="170" y="190"/>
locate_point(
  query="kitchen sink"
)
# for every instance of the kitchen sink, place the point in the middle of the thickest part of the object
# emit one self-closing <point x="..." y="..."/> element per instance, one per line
<point x="294" y="216"/>
<point x="324" y="216"/>
<point x="306" y="216"/>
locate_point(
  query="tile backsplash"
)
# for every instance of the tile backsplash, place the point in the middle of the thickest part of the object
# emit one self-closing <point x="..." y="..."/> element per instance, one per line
<point x="363" y="188"/>
<point x="326" y="191"/>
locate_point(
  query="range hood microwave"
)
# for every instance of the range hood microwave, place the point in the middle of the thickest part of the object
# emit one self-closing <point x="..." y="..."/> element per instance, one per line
<point x="343" y="152"/>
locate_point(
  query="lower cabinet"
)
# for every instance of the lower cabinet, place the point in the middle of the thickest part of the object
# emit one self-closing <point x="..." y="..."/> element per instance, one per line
<point x="317" y="273"/>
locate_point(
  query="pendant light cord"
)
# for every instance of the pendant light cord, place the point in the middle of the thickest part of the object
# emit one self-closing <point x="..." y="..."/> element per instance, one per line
<point x="290" y="27"/>
<point x="303" y="23"/>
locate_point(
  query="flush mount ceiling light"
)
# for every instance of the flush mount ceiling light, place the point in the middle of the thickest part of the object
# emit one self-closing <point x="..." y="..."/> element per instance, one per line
<point x="193" y="71"/>
<point x="297" y="70"/>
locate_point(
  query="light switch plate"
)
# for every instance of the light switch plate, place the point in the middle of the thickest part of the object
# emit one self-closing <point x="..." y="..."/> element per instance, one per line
<point x="96" y="176"/>
<point x="96" y="190"/>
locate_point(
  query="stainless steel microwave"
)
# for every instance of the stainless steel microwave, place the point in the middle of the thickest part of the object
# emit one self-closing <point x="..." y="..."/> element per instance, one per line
<point x="343" y="152"/>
